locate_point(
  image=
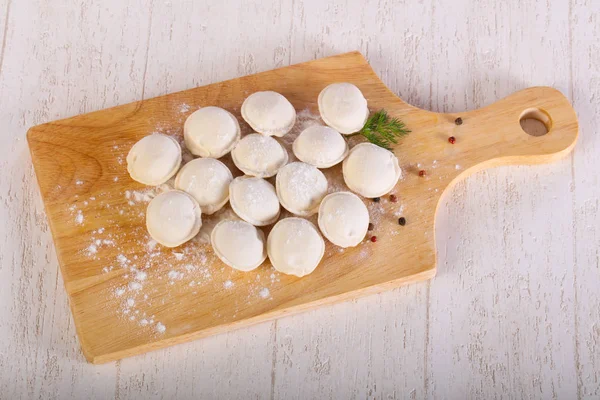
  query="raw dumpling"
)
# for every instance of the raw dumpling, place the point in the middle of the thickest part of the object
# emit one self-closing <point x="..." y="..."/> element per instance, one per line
<point x="254" y="200"/>
<point x="154" y="159"/>
<point x="207" y="180"/>
<point x="300" y="188"/>
<point x="343" y="219"/>
<point x="239" y="244"/>
<point x="211" y="132"/>
<point x="295" y="246"/>
<point x="370" y="170"/>
<point x="320" y="146"/>
<point x="269" y="113"/>
<point x="343" y="107"/>
<point x="173" y="218"/>
<point x="259" y="155"/>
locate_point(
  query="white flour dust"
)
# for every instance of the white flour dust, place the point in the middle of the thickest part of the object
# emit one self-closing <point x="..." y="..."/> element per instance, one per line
<point x="79" y="217"/>
<point x="148" y="277"/>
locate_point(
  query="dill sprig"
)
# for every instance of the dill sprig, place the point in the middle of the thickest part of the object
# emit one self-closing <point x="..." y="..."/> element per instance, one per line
<point x="382" y="130"/>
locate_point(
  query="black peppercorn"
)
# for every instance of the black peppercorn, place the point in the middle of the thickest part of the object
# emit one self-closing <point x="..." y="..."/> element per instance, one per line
<point x="371" y="227"/>
<point x="401" y="221"/>
<point x="458" y="121"/>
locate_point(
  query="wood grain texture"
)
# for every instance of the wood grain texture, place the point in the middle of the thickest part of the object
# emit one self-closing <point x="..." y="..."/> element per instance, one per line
<point x="498" y="267"/>
<point x="586" y="197"/>
<point x="467" y="60"/>
<point x="75" y="159"/>
<point x="35" y="316"/>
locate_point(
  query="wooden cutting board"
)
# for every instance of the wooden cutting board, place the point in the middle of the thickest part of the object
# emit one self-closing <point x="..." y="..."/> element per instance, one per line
<point x="129" y="296"/>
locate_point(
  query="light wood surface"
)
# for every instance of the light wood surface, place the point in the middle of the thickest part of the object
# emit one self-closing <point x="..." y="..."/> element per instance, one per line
<point x="82" y="158"/>
<point x="528" y="244"/>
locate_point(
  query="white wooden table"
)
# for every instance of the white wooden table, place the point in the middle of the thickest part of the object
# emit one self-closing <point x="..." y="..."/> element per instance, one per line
<point x="515" y="309"/>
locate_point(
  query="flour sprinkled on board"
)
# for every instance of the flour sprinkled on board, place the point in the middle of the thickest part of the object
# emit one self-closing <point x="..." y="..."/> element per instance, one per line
<point x="92" y="249"/>
<point x="274" y="277"/>
<point x="160" y="328"/>
<point x="140" y="276"/>
<point x="79" y="217"/>
<point x="174" y="275"/>
<point x="145" y="196"/>
<point x="145" y="277"/>
<point x="399" y="211"/>
<point x="151" y="245"/>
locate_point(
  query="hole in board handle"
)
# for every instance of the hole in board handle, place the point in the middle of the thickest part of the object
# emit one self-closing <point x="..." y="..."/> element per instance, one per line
<point x="535" y="122"/>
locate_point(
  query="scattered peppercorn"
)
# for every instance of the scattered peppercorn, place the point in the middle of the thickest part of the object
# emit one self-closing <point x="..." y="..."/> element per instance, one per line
<point x="401" y="221"/>
<point x="373" y="239"/>
<point x="393" y="198"/>
<point x="422" y="172"/>
<point x="371" y="226"/>
<point x="458" y="121"/>
<point x="452" y="139"/>
<point x="376" y="199"/>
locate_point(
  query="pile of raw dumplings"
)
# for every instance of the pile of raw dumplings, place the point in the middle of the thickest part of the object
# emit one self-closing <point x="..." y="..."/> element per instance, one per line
<point x="205" y="185"/>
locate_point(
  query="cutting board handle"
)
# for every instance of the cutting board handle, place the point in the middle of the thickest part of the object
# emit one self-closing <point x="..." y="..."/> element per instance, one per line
<point x="496" y="134"/>
<point x="92" y="147"/>
<point x="486" y="137"/>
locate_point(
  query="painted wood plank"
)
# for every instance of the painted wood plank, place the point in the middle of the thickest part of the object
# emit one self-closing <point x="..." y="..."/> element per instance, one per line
<point x="373" y="347"/>
<point x="585" y="22"/>
<point x="27" y="99"/>
<point x="235" y="365"/>
<point x="58" y="61"/>
<point x="502" y="306"/>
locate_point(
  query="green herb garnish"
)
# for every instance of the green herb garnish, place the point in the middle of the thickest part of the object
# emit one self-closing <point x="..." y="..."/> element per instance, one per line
<point x="382" y="130"/>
